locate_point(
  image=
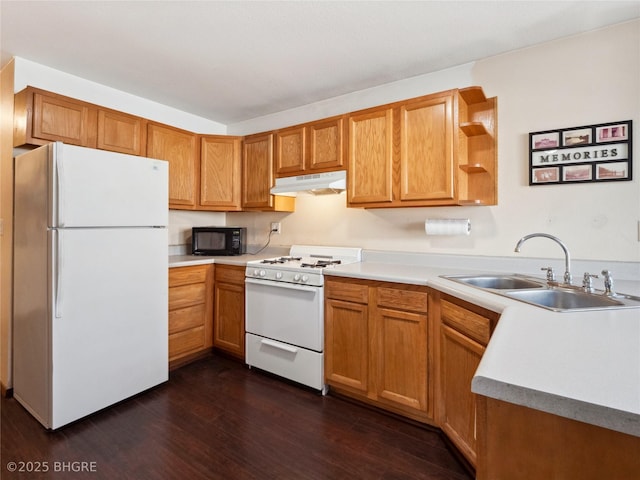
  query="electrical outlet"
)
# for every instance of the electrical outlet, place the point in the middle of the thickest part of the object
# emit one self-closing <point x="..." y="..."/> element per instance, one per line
<point x="275" y="227"/>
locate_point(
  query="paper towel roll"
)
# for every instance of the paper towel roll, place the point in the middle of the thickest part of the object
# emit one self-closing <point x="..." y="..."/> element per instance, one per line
<point x="447" y="226"/>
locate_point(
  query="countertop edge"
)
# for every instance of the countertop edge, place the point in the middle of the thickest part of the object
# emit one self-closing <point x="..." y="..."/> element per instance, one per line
<point x="599" y="415"/>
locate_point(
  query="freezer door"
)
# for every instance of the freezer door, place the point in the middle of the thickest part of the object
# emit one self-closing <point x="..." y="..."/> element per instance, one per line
<point x="109" y="323"/>
<point x="95" y="188"/>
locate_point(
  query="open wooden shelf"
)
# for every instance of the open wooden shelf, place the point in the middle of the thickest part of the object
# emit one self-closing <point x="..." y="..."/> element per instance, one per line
<point x="472" y="129"/>
<point x="475" y="168"/>
<point x="472" y="95"/>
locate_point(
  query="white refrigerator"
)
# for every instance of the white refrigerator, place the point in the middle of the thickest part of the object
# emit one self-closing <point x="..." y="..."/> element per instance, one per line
<point x="90" y="319"/>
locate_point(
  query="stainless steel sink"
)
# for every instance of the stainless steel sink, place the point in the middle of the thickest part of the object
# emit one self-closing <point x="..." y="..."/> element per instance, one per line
<point x="557" y="299"/>
<point x="498" y="282"/>
<point x="560" y="298"/>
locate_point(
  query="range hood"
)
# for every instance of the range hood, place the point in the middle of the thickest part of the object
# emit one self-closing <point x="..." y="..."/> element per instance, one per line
<point x="315" y="184"/>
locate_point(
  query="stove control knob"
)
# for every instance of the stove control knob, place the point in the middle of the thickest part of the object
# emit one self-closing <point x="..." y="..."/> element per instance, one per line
<point x="296" y="277"/>
<point x="279" y="275"/>
<point x="256" y="272"/>
<point x="262" y="273"/>
<point x="305" y="278"/>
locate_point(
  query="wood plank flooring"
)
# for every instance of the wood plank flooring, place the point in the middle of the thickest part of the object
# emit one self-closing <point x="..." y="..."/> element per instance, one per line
<point x="216" y="419"/>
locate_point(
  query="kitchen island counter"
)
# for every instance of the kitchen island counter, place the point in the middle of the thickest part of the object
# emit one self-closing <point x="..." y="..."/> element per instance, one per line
<point x="579" y="365"/>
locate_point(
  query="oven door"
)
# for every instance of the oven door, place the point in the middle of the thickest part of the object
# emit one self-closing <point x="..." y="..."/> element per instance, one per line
<point x="285" y="312"/>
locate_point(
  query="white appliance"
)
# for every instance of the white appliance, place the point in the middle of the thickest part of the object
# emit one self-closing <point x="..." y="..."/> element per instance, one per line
<point x="314" y="183"/>
<point x="284" y="312"/>
<point x="90" y="280"/>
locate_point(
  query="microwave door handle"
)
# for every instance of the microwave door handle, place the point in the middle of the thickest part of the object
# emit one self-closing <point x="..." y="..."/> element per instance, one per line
<point x="290" y="286"/>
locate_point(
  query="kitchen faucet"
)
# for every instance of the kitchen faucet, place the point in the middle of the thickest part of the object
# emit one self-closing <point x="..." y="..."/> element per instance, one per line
<point x="567" y="256"/>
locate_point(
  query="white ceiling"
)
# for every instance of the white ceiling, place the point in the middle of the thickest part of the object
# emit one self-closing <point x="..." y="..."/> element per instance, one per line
<point x="237" y="60"/>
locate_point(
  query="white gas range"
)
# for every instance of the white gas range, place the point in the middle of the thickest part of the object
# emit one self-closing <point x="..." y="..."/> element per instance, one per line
<point x="284" y="311"/>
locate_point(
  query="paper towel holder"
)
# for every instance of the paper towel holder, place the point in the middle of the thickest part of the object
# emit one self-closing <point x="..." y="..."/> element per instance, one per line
<point x="447" y="226"/>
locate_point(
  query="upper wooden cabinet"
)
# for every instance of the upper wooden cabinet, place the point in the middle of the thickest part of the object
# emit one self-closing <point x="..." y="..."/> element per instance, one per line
<point x="434" y="150"/>
<point x="258" y="177"/>
<point x="181" y="149"/>
<point x="291" y="153"/>
<point x="370" y="179"/>
<point x="120" y="132"/>
<point x="220" y="173"/>
<point x="327" y="144"/>
<point x="426" y="150"/>
<point x="312" y="147"/>
<point x="41" y="117"/>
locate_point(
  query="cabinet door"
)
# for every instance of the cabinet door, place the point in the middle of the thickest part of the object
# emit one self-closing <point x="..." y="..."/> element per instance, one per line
<point x="370" y="157"/>
<point x="326" y="145"/>
<point x="180" y="149"/>
<point x="119" y="132"/>
<point x="290" y="151"/>
<point x="401" y="358"/>
<point x="347" y="345"/>
<point x="399" y="353"/>
<point x="228" y="323"/>
<point x="459" y="359"/>
<point x="257" y="172"/>
<point x="58" y="118"/>
<point x="220" y="173"/>
<point x="426" y="150"/>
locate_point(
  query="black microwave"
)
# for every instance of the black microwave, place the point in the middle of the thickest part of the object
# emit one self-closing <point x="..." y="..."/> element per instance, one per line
<point x="218" y="240"/>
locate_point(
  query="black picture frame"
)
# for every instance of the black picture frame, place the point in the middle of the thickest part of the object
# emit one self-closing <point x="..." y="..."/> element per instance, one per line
<point x="588" y="153"/>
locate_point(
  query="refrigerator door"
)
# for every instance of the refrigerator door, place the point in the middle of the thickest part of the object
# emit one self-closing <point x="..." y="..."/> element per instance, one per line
<point x="109" y="322"/>
<point x="95" y="188"/>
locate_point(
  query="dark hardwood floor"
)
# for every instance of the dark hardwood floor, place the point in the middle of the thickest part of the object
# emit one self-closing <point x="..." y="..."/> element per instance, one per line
<point x="216" y="419"/>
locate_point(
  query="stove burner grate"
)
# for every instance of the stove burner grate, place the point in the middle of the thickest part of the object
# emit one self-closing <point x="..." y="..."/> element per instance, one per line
<point x="321" y="263"/>
<point x="273" y="261"/>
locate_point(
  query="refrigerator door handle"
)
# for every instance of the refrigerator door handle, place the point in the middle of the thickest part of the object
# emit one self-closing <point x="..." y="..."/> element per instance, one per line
<point x="59" y="177"/>
<point x="57" y="241"/>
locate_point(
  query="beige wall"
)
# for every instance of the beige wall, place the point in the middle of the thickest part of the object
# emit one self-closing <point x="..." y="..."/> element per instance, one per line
<point x="6" y="214"/>
<point x="586" y="79"/>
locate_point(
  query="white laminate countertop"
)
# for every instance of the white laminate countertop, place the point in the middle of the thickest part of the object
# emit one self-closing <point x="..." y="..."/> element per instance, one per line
<point x="580" y="365"/>
<point x="239" y="260"/>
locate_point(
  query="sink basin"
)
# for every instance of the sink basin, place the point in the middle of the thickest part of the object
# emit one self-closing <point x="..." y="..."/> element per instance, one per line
<point x="497" y="282"/>
<point x="536" y="292"/>
<point x="564" y="299"/>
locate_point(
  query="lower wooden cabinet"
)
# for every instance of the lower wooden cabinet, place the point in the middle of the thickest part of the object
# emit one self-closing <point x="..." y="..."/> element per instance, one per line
<point x="228" y="331"/>
<point x="190" y="312"/>
<point x="464" y="333"/>
<point x="376" y="344"/>
<point x="520" y="443"/>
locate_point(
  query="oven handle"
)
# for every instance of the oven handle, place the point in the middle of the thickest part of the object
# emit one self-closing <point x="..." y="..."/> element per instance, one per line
<point x="279" y="346"/>
<point x="290" y="286"/>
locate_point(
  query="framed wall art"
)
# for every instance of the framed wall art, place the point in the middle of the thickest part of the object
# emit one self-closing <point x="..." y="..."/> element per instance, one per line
<point x="591" y="153"/>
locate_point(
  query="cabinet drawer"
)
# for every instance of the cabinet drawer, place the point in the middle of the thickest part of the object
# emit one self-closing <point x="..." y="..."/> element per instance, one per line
<point x="186" y="341"/>
<point x="187" y="275"/>
<point x="348" y="292"/>
<point x="401" y="299"/>
<point x="187" y="295"/>
<point x="185" y="318"/>
<point x="230" y="274"/>
<point x="466" y="322"/>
